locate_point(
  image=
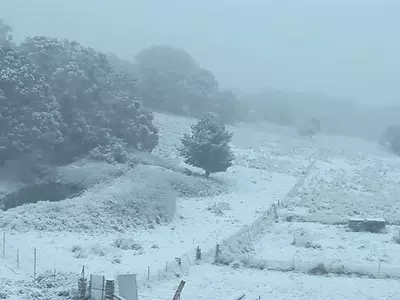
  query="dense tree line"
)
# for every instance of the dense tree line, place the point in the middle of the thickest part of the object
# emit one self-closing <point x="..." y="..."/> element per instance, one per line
<point x="59" y="100"/>
<point x="170" y="80"/>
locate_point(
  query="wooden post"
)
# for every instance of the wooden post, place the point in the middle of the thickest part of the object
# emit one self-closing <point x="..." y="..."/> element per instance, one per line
<point x="34" y="264"/>
<point x="198" y="253"/>
<point x="178" y="292"/>
<point x="103" y="287"/>
<point x="4" y="244"/>
<point x="179" y="262"/>
<point x="18" y="258"/>
<point x="90" y="287"/>
<point x="148" y="273"/>
<point x="217" y="253"/>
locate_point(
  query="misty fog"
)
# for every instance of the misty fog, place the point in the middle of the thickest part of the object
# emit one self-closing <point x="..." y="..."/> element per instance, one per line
<point x="321" y="58"/>
<point x="347" y="49"/>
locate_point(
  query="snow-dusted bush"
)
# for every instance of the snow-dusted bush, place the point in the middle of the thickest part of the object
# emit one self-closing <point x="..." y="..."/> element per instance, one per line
<point x="319" y="269"/>
<point x="98" y="249"/>
<point x="114" y="152"/>
<point x="182" y="185"/>
<point x="149" y="159"/>
<point x="395" y="143"/>
<point x="91" y="103"/>
<point x="124" y="203"/>
<point x="78" y="252"/>
<point x="128" y="244"/>
<point x="117" y="199"/>
<point x="396" y="237"/>
<point x="87" y="173"/>
<point x="186" y="186"/>
<point x="30" y="118"/>
<point x="219" y="208"/>
<point x="48" y="285"/>
<point x="5" y="33"/>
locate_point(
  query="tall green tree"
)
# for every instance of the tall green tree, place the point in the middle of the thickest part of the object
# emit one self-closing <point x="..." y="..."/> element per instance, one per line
<point x="207" y="146"/>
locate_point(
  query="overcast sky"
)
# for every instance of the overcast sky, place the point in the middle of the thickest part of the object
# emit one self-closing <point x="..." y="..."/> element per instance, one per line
<point x="345" y="48"/>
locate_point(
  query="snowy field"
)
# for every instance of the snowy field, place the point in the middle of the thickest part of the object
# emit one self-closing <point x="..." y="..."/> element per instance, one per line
<point x="102" y="230"/>
<point x="93" y="229"/>
<point x="356" y="186"/>
<point x="211" y="282"/>
<point x="68" y="251"/>
<point x="315" y="243"/>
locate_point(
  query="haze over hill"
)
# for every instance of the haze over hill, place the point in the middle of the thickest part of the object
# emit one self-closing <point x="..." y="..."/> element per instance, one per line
<point x="347" y="49"/>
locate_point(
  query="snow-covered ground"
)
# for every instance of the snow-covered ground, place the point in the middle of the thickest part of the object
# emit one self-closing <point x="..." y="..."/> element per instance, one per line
<point x="348" y="178"/>
<point x="359" y="186"/>
<point x="68" y="235"/>
<point x="211" y="282"/>
<point x="313" y="243"/>
<point x="195" y="225"/>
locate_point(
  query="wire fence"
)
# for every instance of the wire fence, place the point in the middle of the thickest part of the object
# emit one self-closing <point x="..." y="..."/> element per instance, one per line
<point x="35" y="261"/>
<point x="246" y="236"/>
<point x="13" y="261"/>
<point x="313" y="267"/>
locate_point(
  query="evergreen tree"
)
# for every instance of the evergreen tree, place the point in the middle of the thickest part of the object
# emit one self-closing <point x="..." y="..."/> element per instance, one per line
<point x="207" y="146"/>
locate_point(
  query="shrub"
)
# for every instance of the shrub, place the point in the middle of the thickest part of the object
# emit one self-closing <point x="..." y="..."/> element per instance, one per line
<point x="127" y="244"/>
<point x="396" y="237"/>
<point x="219" y="208"/>
<point x="390" y="138"/>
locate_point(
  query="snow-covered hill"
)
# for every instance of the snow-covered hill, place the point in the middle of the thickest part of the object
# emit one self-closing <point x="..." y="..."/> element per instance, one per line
<point x="109" y="227"/>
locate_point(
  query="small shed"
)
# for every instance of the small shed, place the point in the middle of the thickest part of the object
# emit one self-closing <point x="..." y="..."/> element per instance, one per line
<point x="374" y="225"/>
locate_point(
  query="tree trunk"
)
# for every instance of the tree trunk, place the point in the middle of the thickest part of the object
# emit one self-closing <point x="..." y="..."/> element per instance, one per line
<point x="207" y="174"/>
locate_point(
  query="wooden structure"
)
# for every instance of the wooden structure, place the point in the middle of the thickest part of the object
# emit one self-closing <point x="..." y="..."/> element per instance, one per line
<point x="178" y="292"/>
<point x="374" y="225"/>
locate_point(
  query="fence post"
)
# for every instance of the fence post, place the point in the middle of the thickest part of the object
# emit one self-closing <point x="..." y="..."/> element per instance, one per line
<point x="18" y="258"/>
<point x="294" y="266"/>
<point x="198" y="253"/>
<point x="217" y="253"/>
<point x="90" y="287"/>
<point x="179" y="262"/>
<point x="148" y="273"/>
<point x="34" y="264"/>
<point x="103" y="287"/>
<point x="4" y="244"/>
<point x="379" y="269"/>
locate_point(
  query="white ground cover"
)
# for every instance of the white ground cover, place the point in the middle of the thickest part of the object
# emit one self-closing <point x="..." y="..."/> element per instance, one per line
<point x="359" y="186"/>
<point x="100" y="231"/>
<point x="315" y="243"/>
<point x="211" y="282"/>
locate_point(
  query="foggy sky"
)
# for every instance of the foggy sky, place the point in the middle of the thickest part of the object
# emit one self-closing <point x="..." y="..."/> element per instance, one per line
<point x="349" y="49"/>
